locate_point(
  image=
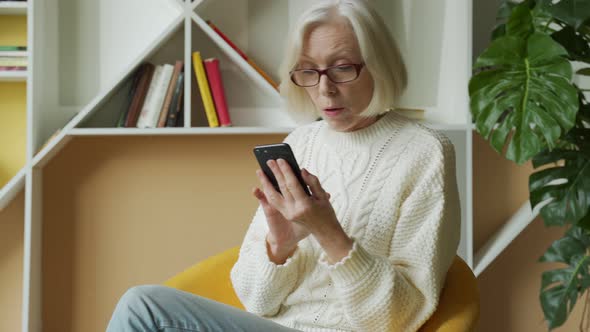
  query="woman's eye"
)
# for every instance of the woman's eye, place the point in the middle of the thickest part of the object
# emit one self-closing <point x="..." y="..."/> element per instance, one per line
<point x="344" y="68"/>
<point x="307" y="72"/>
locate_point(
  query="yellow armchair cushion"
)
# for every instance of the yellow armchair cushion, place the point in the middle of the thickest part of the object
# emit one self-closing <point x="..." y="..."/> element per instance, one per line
<point x="458" y="308"/>
<point x="210" y="278"/>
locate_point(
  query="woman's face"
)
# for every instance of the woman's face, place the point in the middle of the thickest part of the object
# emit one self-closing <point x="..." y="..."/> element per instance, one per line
<point x="340" y="104"/>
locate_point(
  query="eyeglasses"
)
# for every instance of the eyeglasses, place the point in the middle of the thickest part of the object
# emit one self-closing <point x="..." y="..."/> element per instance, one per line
<point x="337" y="74"/>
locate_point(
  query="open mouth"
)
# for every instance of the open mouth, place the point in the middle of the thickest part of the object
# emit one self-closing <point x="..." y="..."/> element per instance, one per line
<point x="333" y="111"/>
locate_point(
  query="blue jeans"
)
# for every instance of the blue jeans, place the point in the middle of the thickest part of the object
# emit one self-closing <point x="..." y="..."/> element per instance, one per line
<point x="160" y="308"/>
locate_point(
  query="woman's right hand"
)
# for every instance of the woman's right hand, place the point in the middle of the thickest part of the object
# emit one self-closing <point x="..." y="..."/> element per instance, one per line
<point x="283" y="235"/>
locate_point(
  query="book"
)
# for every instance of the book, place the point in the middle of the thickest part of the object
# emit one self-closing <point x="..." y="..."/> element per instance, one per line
<point x="149" y="97"/>
<point x="243" y="55"/>
<point x="178" y="67"/>
<point x="217" y="91"/>
<point x="204" y="89"/>
<point x="139" y="96"/>
<point x="12" y="68"/>
<point x="132" y="89"/>
<point x="175" y="104"/>
<point x="14" y="61"/>
<point x="10" y="48"/>
<point x="150" y="113"/>
<point x="180" y="114"/>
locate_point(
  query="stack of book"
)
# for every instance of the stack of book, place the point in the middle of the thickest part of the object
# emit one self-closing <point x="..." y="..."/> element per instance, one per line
<point x="13" y="58"/>
<point x="212" y="91"/>
<point x="156" y="96"/>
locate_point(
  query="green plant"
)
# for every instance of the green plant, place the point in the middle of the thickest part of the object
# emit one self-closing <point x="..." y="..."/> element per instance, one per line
<point x="524" y="102"/>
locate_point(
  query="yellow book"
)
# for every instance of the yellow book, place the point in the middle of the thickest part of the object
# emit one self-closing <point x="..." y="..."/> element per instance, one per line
<point x="205" y="91"/>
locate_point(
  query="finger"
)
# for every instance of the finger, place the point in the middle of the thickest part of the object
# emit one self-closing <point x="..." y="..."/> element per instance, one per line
<point x="272" y="196"/>
<point x="314" y="184"/>
<point x="279" y="175"/>
<point x="291" y="180"/>
<point x="259" y="196"/>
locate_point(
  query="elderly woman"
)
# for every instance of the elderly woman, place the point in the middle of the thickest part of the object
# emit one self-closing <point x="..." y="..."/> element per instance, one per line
<point x="370" y="256"/>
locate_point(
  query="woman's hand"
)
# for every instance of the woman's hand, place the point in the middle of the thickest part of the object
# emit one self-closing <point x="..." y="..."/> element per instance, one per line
<point x="314" y="213"/>
<point x="283" y="235"/>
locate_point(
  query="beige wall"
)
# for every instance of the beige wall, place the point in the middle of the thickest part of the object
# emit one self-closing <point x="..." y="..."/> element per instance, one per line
<point x="126" y="211"/>
<point x="11" y="263"/>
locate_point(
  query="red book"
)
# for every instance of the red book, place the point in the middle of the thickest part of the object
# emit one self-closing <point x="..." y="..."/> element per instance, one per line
<point x="227" y="40"/>
<point x="243" y="55"/>
<point x="217" y="91"/>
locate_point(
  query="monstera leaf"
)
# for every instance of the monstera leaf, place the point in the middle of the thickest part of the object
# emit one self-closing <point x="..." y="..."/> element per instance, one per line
<point x="524" y="90"/>
<point x="570" y="190"/>
<point x="572" y="12"/>
<point x="560" y="288"/>
<point x="575" y="43"/>
<point x="518" y="19"/>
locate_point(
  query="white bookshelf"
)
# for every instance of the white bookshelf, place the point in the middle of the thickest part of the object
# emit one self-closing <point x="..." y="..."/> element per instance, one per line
<point x="12" y="188"/>
<point x="13" y="8"/>
<point x="89" y="63"/>
<point x="13" y="76"/>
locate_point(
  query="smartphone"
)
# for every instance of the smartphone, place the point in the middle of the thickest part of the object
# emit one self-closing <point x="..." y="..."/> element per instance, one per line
<point x="268" y="152"/>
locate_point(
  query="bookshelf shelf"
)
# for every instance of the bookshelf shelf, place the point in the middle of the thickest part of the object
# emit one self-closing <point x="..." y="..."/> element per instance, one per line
<point x="13" y="8"/>
<point x="13" y="76"/>
<point x="178" y="131"/>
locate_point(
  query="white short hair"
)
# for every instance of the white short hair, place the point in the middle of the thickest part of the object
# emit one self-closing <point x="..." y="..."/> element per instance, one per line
<point x="379" y="51"/>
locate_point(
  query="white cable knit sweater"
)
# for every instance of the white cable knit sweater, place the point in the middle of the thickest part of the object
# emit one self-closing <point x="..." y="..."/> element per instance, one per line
<point x="394" y="191"/>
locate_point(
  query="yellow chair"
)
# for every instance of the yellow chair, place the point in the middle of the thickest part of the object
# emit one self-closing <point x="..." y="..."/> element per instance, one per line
<point x="458" y="309"/>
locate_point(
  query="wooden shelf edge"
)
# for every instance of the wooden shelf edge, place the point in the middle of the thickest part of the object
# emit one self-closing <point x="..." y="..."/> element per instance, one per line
<point x="12" y="188"/>
<point x="505" y="235"/>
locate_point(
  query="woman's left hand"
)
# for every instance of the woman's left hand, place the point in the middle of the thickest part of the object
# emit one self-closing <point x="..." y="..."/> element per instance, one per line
<point x="315" y="211"/>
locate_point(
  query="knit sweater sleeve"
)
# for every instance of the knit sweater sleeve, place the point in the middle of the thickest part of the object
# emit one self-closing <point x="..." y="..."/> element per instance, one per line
<point x="401" y="291"/>
<point x="260" y="284"/>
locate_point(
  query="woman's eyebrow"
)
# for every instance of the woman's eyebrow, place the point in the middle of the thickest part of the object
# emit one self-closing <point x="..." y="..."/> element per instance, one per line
<point x="342" y="53"/>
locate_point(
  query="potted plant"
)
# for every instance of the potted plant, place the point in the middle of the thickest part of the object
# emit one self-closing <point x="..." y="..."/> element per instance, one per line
<point x="523" y="95"/>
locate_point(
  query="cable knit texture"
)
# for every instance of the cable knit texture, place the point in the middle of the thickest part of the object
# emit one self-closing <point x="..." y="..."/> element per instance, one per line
<point x="393" y="187"/>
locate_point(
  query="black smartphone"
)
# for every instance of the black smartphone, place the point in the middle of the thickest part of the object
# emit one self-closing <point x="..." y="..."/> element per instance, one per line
<point x="268" y="152"/>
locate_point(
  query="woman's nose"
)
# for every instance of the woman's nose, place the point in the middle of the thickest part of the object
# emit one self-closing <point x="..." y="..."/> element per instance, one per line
<point x="327" y="87"/>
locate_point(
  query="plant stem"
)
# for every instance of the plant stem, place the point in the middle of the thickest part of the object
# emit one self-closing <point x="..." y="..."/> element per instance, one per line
<point x="547" y="25"/>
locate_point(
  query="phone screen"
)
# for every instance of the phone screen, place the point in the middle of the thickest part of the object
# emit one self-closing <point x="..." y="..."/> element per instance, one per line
<point x="268" y="152"/>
